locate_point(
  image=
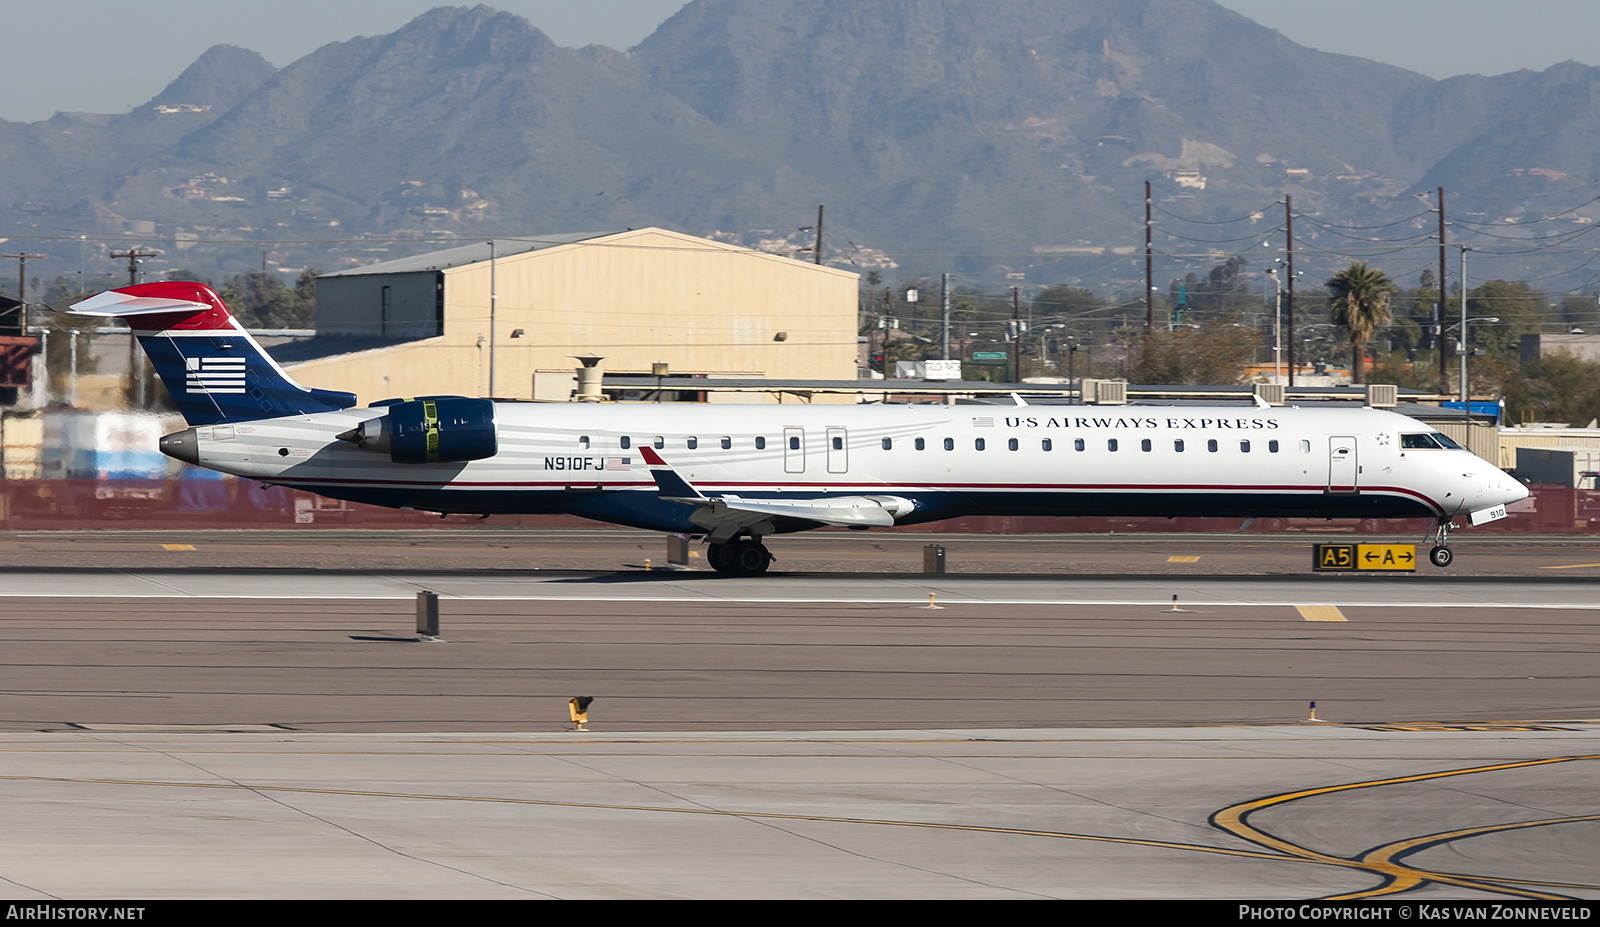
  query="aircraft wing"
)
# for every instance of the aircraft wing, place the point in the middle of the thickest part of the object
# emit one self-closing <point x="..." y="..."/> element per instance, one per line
<point x="729" y="513"/>
<point x="845" y="511"/>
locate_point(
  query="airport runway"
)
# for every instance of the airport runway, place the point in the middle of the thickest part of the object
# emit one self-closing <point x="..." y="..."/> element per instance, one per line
<point x="181" y="732"/>
<point x="334" y="651"/>
<point x="612" y="549"/>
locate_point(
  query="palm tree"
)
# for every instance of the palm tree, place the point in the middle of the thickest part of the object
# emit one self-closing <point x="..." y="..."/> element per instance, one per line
<point x="1360" y="304"/>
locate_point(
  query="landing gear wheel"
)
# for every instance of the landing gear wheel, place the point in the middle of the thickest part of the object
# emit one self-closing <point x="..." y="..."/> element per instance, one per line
<point x="742" y="557"/>
<point x="750" y="558"/>
<point x="1441" y="556"/>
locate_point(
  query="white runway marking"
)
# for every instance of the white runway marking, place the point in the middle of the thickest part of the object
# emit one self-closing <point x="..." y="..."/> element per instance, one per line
<point x="952" y="591"/>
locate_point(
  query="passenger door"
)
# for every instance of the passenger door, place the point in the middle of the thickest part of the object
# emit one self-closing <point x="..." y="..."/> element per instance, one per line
<point x="1344" y="473"/>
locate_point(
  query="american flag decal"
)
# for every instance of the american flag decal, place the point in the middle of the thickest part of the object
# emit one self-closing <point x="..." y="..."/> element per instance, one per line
<point x="214" y="374"/>
<point x="619" y="463"/>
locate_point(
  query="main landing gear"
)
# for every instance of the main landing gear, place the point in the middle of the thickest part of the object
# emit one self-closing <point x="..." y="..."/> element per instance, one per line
<point x="1441" y="556"/>
<point x="741" y="556"/>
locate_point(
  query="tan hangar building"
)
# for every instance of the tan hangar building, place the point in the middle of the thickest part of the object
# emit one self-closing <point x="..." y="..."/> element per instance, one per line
<point x="422" y="325"/>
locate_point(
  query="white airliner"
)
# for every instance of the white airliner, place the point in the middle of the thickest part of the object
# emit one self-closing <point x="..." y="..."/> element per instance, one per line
<point x="736" y="474"/>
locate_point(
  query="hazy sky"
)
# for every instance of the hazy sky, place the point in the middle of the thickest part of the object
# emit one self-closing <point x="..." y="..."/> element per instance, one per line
<point x="109" y="56"/>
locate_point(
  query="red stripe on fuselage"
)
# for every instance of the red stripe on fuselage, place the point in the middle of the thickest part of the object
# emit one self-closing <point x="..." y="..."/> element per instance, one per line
<point x="874" y="487"/>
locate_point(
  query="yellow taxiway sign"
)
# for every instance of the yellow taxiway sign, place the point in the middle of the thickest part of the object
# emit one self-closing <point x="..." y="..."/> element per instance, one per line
<point x="1351" y="558"/>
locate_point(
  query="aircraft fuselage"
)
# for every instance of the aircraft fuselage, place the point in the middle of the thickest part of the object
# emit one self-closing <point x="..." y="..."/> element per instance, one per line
<point x="949" y="461"/>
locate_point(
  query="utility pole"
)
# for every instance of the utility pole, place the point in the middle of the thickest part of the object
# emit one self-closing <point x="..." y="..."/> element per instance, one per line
<point x="134" y="373"/>
<point x="888" y="305"/>
<point x="817" y="254"/>
<point x="1149" y="268"/>
<point x="1288" y="227"/>
<point x="494" y="304"/>
<point x="22" y="286"/>
<point x="1438" y="309"/>
<point x="1277" y="324"/>
<point x="944" y="299"/>
<point x="1466" y="394"/>
<point x="133" y="255"/>
<point x="1016" y="336"/>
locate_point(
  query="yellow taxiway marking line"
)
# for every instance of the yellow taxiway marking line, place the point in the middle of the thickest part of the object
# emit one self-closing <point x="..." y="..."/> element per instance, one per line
<point x="1183" y="559"/>
<point x="1391" y="854"/>
<point x="1320" y="613"/>
<point x="1570" y="566"/>
<point x="178" y="546"/>
<point x="1235" y="820"/>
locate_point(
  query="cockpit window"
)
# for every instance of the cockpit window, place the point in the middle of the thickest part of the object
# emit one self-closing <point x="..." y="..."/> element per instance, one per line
<point x="1446" y="442"/>
<point x="1419" y="441"/>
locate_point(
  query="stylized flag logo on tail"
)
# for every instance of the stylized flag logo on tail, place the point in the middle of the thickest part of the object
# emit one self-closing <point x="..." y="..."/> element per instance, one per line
<point x="215" y="374"/>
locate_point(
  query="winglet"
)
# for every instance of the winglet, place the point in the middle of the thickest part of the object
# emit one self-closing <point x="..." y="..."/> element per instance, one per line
<point x="668" y="481"/>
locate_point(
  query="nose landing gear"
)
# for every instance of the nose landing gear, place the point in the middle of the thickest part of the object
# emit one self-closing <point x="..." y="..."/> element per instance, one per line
<point x="1441" y="555"/>
<point x="741" y="556"/>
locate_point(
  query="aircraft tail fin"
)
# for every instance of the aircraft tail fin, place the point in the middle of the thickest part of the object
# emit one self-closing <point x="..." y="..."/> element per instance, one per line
<point x="214" y="370"/>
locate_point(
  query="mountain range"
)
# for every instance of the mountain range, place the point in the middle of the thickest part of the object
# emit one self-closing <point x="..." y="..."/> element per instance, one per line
<point x="997" y="140"/>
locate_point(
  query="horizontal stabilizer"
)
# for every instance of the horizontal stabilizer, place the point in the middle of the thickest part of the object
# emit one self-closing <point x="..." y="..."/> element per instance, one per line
<point x="112" y="304"/>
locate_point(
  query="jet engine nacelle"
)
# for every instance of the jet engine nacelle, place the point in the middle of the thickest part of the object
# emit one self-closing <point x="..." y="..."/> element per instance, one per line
<point x="437" y="429"/>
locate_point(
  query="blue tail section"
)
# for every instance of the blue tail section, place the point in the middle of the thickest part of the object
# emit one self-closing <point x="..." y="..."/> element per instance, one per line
<point x="214" y="370"/>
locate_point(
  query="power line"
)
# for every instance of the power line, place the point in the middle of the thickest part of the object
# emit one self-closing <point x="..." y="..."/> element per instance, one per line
<point x="1255" y="215"/>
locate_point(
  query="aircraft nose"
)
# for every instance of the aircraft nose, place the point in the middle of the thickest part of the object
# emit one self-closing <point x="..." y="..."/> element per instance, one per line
<point x="1516" y="491"/>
